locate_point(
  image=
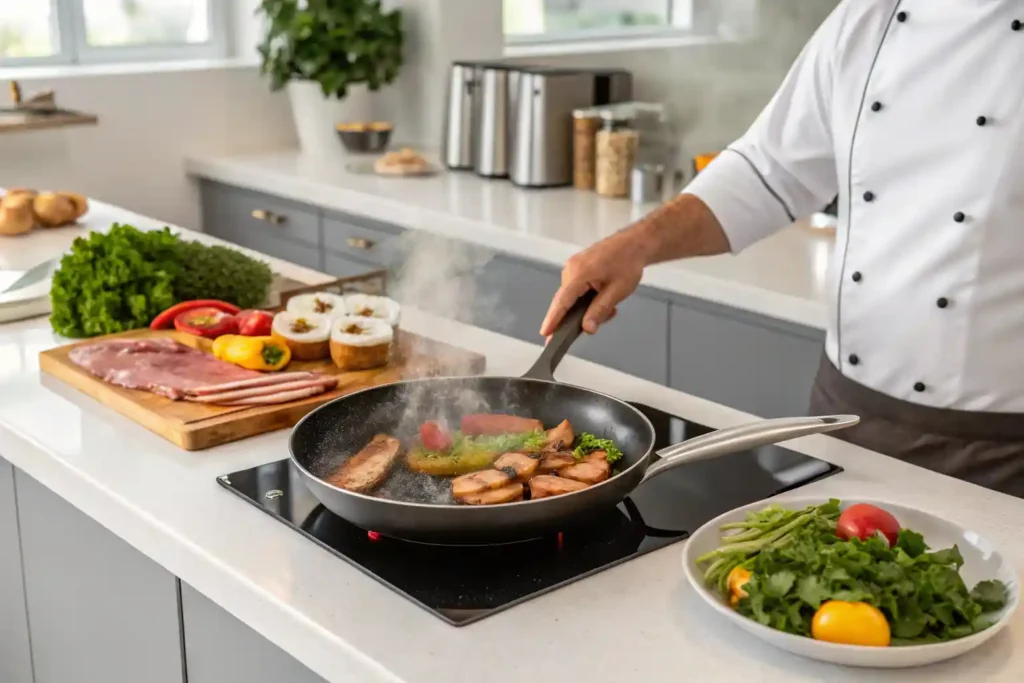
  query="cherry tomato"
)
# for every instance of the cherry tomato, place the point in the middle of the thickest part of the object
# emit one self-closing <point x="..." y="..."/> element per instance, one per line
<point x="252" y="323"/>
<point x="736" y="580"/>
<point x="434" y="436"/>
<point x="206" y="322"/>
<point x="863" y="521"/>
<point x="850" y="623"/>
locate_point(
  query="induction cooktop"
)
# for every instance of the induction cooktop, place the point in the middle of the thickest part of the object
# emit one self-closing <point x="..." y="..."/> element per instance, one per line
<point x="482" y="580"/>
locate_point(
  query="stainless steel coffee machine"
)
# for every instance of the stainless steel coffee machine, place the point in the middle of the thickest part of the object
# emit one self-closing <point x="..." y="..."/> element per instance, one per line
<point x="516" y="122"/>
<point x="541" y="154"/>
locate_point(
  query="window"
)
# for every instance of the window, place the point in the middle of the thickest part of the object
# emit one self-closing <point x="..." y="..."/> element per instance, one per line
<point x="561" y="20"/>
<point x="91" y="31"/>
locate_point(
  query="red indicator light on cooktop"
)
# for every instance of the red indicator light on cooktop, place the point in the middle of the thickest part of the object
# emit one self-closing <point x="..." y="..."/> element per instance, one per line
<point x="373" y="535"/>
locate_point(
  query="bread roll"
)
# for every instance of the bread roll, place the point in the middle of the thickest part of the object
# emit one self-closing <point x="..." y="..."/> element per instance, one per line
<point x="16" y="215"/>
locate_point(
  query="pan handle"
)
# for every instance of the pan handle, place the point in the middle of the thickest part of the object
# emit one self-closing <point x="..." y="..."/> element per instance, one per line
<point x="744" y="437"/>
<point x="568" y="331"/>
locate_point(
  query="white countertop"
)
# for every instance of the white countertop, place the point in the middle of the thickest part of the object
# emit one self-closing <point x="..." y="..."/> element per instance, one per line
<point x="781" y="277"/>
<point x="636" y="622"/>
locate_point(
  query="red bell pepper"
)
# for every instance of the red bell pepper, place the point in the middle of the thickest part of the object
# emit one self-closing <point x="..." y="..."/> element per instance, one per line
<point x="206" y="322"/>
<point x="253" y="323"/>
<point x="166" y="319"/>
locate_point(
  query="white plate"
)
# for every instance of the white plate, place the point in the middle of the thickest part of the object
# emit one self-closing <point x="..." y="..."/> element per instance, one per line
<point x="981" y="562"/>
<point x="25" y="302"/>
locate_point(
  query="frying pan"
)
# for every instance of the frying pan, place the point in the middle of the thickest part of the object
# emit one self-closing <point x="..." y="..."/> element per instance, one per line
<point x="417" y="507"/>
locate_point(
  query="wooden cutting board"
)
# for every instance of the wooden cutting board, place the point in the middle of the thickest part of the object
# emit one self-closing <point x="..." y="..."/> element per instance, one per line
<point x="195" y="426"/>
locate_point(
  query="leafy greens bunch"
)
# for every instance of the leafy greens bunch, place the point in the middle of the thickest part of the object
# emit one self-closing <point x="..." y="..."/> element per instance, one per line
<point x="121" y="279"/>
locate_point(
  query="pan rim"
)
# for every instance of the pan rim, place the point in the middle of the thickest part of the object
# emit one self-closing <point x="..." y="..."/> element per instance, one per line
<point x="642" y="462"/>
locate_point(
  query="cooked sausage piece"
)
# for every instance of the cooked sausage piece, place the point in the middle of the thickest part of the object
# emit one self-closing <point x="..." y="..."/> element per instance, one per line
<point x="506" y="494"/>
<point x="517" y="465"/>
<point x="555" y="461"/>
<point x="493" y="424"/>
<point x="588" y="471"/>
<point x="546" y="485"/>
<point x="595" y="456"/>
<point x="477" y="482"/>
<point x="563" y="434"/>
<point x="365" y="470"/>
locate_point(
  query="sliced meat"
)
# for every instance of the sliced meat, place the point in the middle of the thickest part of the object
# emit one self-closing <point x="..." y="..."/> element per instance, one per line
<point x="160" y="366"/>
<point x="226" y="397"/>
<point x="506" y="494"/>
<point x="279" y="397"/>
<point x="365" y="470"/>
<point x="595" y="456"/>
<point x="517" y="465"/>
<point x="261" y="381"/>
<point x="552" y="462"/>
<point x="562" y="434"/>
<point x="477" y="482"/>
<point x="493" y="424"/>
<point x="547" y="485"/>
<point x="588" y="471"/>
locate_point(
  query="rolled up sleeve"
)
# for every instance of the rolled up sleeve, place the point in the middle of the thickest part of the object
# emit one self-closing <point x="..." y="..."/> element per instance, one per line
<point x="783" y="168"/>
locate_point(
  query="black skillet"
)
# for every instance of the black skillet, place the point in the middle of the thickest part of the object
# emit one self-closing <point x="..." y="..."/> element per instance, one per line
<point x="417" y="507"/>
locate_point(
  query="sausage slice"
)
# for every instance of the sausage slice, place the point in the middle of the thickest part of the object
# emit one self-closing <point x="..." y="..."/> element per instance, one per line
<point x="365" y="470"/>
<point x="506" y="494"/>
<point x="552" y="462"/>
<point x="546" y="485"/>
<point x="478" y="482"/>
<point x="517" y="465"/>
<point x="493" y="424"/>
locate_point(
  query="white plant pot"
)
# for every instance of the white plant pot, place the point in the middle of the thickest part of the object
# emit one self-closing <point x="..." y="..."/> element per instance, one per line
<point x="316" y="115"/>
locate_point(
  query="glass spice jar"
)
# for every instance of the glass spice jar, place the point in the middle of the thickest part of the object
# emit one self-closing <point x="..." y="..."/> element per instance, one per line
<point x="584" y="148"/>
<point x="616" y="153"/>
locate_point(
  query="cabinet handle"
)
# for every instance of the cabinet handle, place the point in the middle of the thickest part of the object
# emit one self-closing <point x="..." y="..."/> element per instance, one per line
<point x="269" y="217"/>
<point x="359" y="243"/>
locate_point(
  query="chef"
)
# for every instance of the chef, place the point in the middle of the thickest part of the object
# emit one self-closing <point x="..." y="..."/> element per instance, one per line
<point x="912" y="112"/>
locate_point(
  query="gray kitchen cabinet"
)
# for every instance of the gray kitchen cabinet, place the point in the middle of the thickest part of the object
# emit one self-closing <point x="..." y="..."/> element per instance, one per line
<point x="344" y="266"/>
<point x="363" y="239"/>
<point x="761" y="366"/>
<point x="513" y="296"/>
<point x="270" y="225"/>
<point x="99" y="610"/>
<point x="15" y="650"/>
<point x="221" y="649"/>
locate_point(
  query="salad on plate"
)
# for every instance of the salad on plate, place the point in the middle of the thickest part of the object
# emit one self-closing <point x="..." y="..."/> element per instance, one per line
<point x="850" y="576"/>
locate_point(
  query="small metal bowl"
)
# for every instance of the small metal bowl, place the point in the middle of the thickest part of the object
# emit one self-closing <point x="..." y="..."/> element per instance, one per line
<point x="365" y="140"/>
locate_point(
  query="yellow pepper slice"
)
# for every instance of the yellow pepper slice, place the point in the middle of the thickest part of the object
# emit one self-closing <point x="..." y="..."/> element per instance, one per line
<point x="264" y="354"/>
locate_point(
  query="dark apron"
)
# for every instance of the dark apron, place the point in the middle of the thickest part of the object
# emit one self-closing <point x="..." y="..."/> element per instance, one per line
<point x="983" y="448"/>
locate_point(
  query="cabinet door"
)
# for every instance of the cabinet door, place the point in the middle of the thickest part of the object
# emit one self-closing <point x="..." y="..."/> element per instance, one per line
<point x="363" y="239"/>
<point x="764" y="367"/>
<point x="98" y="609"/>
<point x="513" y="297"/>
<point x="343" y="266"/>
<point x="15" y="651"/>
<point x="221" y="649"/>
<point x="285" y="230"/>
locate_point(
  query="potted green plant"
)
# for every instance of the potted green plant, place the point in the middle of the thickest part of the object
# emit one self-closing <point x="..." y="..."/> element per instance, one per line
<point x="334" y="56"/>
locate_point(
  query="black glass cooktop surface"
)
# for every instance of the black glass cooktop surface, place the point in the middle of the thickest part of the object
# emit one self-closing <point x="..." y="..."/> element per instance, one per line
<point x="482" y="580"/>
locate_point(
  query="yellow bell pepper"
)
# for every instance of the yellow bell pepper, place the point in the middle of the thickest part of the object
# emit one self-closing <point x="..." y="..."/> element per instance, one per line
<point x="736" y="580"/>
<point x="850" y="623"/>
<point x="265" y="354"/>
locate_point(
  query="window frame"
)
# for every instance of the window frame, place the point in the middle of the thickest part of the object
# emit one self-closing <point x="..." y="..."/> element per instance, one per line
<point x="68" y="36"/>
<point x="704" y="25"/>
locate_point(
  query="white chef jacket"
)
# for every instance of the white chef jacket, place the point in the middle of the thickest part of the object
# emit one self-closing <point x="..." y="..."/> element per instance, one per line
<point x="912" y="112"/>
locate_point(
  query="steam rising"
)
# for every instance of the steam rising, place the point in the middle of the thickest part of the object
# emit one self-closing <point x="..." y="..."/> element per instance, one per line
<point x="441" y="277"/>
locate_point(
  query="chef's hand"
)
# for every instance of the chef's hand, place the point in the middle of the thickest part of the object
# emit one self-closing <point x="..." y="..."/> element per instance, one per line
<point x="680" y="228"/>
<point x="612" y="267"/>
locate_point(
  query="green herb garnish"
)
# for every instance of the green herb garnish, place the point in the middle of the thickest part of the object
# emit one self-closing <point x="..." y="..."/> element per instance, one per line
<point x="587" y="443"/>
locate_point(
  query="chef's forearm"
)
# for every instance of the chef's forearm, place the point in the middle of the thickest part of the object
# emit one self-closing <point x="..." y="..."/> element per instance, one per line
<point x="680" y="228"/>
